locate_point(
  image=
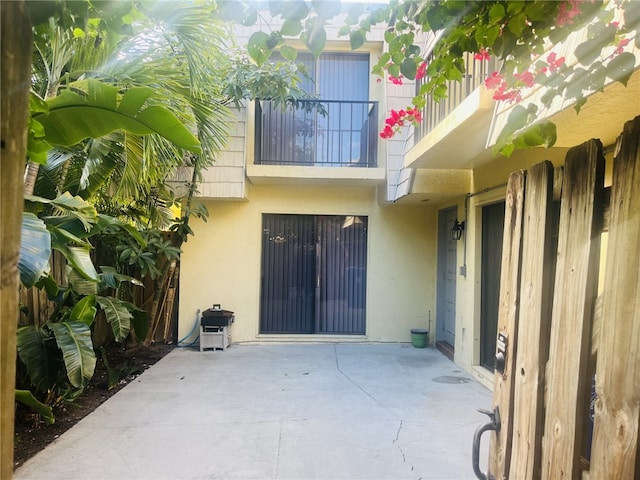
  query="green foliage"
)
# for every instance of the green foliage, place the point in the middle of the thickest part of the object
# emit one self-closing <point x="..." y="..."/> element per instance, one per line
<point x="35" y="249"/>
<point x="61" y="352"/>
<point x="37" y="350"/>
<point x="73" y="117"/>
<point x="45" y="411"/>
<point x="84" y="311"/>
<point x="74" y="340"/>
<point x="512" y="31"/>
<point x="113" y="374"/>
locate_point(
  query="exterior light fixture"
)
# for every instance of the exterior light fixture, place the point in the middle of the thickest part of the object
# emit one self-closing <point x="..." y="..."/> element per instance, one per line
<point x="456" y="230"/>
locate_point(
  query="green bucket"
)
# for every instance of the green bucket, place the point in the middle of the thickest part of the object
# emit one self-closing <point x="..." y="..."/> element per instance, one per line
<point x="419" y="337"/>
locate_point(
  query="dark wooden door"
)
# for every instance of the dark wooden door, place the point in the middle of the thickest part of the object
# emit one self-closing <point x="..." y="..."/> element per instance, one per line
<point x="492" y="232"/>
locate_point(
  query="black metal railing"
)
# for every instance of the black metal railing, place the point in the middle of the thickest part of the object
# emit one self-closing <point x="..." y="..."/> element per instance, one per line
<point x="434" y="112"/>
<point x="326" y="133"/>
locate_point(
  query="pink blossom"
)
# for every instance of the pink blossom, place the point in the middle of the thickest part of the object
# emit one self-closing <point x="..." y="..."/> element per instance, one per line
<point x="387" y="132"/>
<point x="620" y="46"/>
<point x="483" y="54"/>
<point x="422" y="70"/>
<point x="567" y="11"/>
<point x="510" y="96"/>
<point x="554" y="64"/>
<point x="397" y="119"/>
<point x="493" y="81"/>
<point x="526" y="77"/>
<point x="396" y="80"/>
<point x="417" y="116"/>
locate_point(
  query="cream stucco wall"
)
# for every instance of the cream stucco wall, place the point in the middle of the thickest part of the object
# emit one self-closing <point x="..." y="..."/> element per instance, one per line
<point x="487" y="187"/>
<point x="221" y="263"/>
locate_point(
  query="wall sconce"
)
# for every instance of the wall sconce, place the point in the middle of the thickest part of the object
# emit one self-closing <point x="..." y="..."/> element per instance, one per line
<point x="456" y="230"/>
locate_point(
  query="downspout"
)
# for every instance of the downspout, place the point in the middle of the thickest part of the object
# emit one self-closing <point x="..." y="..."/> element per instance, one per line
<point x="463" y="268"/>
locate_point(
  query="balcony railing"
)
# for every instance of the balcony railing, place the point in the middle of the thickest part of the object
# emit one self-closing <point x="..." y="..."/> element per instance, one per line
<point x="435" y="112"/>
<point x="321" y="133"/>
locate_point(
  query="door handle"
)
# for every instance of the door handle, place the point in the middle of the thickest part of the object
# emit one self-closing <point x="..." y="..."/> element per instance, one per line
<point x="492" y="425"/>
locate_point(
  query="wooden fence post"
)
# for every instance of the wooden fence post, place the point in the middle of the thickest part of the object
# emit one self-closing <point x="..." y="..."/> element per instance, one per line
<point x="574" y="296"/>
<point x="536" y="299"/>
<point x="614" y="452"/>
<point x="500" y="450"/>
<point x="15" y="44"/>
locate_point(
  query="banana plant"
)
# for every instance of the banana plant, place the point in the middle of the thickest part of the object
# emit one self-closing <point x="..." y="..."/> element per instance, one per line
<point x="61" y="351"/>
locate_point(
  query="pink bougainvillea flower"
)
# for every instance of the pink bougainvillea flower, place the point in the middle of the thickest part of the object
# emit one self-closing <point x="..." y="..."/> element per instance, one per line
<point x="415" y="115"/>
<point x="554" y="64"/>
<point x="422" y="70"/>
<point x="398" y="118"/>
<point x="387" y="132"/>
<point x="509" y="96"/>
<point x="567" y="11"/>
<point x="493" y="81"/>
<point x="526" y="77"/>
<point x="396" y="80"/>
<point x="483" y="54"/>
<point x="620" y="46"/>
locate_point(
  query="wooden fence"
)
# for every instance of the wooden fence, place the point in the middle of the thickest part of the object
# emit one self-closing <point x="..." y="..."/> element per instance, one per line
<point x="568" y="388"/>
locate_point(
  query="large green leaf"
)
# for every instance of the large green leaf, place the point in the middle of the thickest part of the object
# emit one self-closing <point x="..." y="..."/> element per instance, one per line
<point x="34" y="351"/>
<point x="79" y="259"/>
<point x="81" y="285"/>
<point x="106" y="221"/>
<point x="73" y="117"/>
<point x="68" y="204"/>
<point x="74" y="339"/>
<point x="111" y="278"/>
<point x="258" y="48"/>
<point x="118" y="315"/>
<point x="45" y="411"/>
<point x="140" y="323"/>
<point x="35" y="249"/>
<point x="85" y="310"/>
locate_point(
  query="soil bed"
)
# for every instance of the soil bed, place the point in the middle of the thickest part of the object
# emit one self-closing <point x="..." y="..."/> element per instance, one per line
<point x="32" y="435"/>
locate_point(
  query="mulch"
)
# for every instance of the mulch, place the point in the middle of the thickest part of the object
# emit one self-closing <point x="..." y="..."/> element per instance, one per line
<point x="33" y="435"/>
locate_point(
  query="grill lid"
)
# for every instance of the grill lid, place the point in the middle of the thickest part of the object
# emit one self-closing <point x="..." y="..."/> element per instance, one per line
<point x="216" y="312"/>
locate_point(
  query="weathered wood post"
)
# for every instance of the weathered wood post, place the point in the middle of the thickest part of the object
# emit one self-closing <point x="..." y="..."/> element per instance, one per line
<point x="15" y="83"/>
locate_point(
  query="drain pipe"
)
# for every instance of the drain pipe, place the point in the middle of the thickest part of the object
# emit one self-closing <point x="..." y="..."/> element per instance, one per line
<point x="463" y="268"/>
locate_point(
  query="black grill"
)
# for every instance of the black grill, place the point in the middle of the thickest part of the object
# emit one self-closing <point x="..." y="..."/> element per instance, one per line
<point x="216" y="317"/>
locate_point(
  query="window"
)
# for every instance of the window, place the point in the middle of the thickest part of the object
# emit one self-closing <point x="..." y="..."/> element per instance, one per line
<point x="345" y="136"/>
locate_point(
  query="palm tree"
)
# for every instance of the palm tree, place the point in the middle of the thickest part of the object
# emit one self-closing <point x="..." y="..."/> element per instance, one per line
<point x="181" y="51"/>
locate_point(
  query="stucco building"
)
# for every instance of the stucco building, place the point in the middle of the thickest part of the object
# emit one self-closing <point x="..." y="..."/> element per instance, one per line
<point x="321" y="231"/>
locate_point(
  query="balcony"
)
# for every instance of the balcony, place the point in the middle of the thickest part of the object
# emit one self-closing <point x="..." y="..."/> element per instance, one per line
<point x="454" y="131"/>
<point x="434" y="112"/>
<point x="318" y="133"/>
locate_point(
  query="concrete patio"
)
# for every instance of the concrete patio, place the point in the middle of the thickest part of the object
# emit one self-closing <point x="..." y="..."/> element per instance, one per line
<point x="303" y="411"/>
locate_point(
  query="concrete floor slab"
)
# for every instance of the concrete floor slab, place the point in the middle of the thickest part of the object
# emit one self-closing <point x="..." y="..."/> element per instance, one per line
<point x="298" y="411"/>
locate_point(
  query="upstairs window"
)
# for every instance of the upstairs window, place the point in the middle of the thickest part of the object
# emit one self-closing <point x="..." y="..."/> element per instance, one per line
<point x="345" y="136"/>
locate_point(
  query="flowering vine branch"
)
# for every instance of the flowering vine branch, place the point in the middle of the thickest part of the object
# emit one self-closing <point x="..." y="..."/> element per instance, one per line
<point x="519" y="34"/>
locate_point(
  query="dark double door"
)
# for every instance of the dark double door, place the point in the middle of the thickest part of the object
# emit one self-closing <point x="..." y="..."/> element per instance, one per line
<point x="313" y="274"/>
